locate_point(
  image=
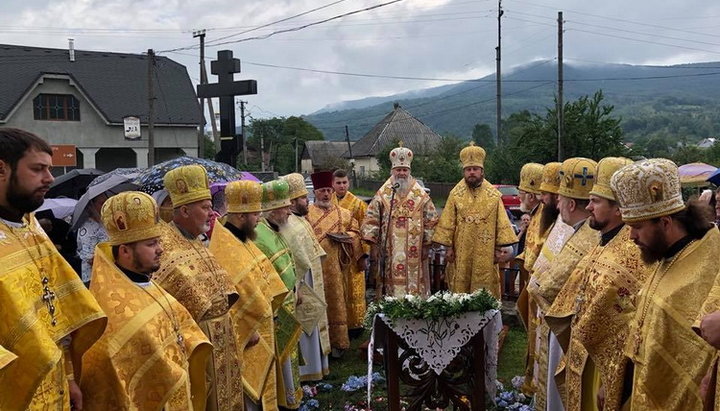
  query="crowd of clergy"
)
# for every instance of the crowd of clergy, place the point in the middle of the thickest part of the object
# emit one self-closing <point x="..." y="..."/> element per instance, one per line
<point x="190" y="311"/>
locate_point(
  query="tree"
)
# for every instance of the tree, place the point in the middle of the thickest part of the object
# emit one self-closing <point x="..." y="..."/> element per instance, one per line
<point x="280" y="136"/>
<point x="590" y="131"/>
<point x="442" y="166"/>
<point x="483" y="136"/>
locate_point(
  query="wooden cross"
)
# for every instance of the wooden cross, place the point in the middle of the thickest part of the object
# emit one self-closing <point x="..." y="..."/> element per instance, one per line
<point x="226" y="88"/>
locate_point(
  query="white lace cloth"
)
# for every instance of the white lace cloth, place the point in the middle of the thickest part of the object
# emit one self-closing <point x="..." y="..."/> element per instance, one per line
<point x="438" y="342"/>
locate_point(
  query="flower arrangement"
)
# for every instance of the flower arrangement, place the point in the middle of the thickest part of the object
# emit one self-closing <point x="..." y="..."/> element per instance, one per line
<point x="512" y="398"/>
<point x="355" y="383"/>
<point x="309" y="402"/>
<point x="439" y="305"/>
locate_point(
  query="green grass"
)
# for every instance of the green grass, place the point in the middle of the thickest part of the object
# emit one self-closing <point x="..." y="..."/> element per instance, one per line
<point x="510" y="364"/>
<point x="512" y="356"/>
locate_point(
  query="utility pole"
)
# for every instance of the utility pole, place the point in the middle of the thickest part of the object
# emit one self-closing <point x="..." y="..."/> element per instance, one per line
<point x="352" y="159"/>
<point x="201" y="129"/>
<point x="151" y="108"/>
<point x="242" y="130"/>
<point x="296" y="154"/>
<point x="211" y="109"/>
<point x="498" y="79"/>
<point x="262" y="153"/>
<point x="560" y="105"/>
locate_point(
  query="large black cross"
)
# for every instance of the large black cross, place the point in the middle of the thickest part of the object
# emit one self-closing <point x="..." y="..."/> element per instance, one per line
<point x="227" y="88"/>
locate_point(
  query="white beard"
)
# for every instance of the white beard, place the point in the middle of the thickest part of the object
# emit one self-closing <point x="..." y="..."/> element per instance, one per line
<point x="403" y="185"/>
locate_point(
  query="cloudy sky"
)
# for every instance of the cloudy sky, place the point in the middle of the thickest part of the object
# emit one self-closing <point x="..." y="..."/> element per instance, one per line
<point x="431" y="39"/>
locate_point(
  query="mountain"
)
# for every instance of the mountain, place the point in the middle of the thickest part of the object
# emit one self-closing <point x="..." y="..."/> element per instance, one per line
<point x="681" y="101"/>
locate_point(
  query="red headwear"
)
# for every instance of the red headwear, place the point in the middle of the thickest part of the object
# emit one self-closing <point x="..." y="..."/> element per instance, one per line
<point x="322" y="179"/>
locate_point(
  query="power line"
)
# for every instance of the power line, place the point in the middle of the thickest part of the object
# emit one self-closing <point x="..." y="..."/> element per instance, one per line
<point x="277" y="21"/>
<point x="620" y="19"/>
<point x="645" y="41"/>
<point x="377" y="6"/>
<point x="656" y="35"/>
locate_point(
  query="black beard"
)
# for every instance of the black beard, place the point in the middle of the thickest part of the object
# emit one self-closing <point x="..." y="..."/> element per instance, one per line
<point x="654" y="251"/>
<point x="597" y="225"/>
<point x="548" y="217"/>
<point x="301" y="210"/>
<point x="476" y="184"/>
<point x="22" y="201"/>
<point x="246" y="232"/>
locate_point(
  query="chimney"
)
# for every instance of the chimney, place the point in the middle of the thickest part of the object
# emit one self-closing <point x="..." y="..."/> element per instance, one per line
<point x="71" y="49"/>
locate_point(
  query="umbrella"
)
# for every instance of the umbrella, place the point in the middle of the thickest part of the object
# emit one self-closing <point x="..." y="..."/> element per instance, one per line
<point x="130" y="172"/>
<point x="695" y="174"/>
<point x="715" y="177"/>
<point x="73" y="183"/>
<point x="59" y="207"/>
<point x="115" y="184"/>
<point x="151" y="180"/>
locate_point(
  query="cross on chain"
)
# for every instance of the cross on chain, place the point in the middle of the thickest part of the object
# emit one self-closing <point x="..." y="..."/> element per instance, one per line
<point x="48" y="298"/>
<point x="584" y="176"/>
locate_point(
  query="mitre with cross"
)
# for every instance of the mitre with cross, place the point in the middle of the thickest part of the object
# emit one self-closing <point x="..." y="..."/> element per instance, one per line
<point x="577" y="176"/>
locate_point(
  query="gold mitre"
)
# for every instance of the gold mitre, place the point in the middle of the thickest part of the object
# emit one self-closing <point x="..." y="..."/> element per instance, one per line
<point x="401" y="156"/>
<point x="530" y="178"/>
<point x="129" y="217"/>
<point x="577" y="176"/>
<point x="243" y="196"/>
<point x="297" y="185"/>
<point x="605" y="170"/>
<point x="275" y="194"/>
<point x="647" y="189"/>
<point x="472" y="156"/>
<point x="551" y="177"/>
<point x="187" y="184"/>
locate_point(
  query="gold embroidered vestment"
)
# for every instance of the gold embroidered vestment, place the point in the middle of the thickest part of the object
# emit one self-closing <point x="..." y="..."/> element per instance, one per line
<point x="139" y="363"/>
<point x="474" y="223"/>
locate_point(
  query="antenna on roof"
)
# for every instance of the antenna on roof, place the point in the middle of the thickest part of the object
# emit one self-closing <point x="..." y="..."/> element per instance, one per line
<point x="71" y="48"/>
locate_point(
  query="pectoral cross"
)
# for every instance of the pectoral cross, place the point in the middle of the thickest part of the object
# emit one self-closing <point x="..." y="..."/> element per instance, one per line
<point x="48" y="298"/>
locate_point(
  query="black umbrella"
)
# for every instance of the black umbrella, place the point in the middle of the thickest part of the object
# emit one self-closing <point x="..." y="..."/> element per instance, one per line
<point x="73" y="184"/>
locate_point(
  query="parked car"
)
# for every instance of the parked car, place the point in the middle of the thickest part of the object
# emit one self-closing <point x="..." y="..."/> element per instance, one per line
<point x="510" y="197"/>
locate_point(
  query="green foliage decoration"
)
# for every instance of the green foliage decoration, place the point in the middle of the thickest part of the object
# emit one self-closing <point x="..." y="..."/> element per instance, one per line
<point x="439" y="305"/>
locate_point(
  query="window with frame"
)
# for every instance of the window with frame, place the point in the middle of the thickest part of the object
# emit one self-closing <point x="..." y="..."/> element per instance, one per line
<point x="63" y="107"/>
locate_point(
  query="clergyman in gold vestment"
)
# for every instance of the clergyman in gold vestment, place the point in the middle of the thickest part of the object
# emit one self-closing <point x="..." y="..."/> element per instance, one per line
<point x="48" y="319"/>
<point x="473" y="225"/>
<point x="541" y="224"/>
<point x="192" y="275"/>
<point x="601" y="290"/>
<point x="576" y="181"/>
<point x="681" y="243"/>
<point x="343" y="255"/>
<point x="405" y="235"/>
<point x="356" y="291"/>
<point x="235" y="251"/>
<point x="307" y="253"/>
<point x="153" y="355"/>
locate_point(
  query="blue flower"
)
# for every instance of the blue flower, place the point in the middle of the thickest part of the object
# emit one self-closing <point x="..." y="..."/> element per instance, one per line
<point x="502" y="404"/>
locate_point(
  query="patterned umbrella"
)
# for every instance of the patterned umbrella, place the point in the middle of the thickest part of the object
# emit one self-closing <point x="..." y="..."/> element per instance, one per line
<point x="695" y="174"/>
<point x="131" y="173"/>
<point x="151" y="180"/>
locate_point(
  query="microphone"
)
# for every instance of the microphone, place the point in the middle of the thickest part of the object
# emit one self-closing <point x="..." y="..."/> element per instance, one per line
<point x="395" y="186"/>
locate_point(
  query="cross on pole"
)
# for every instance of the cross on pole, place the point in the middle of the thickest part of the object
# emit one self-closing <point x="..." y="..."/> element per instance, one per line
<point x="226" y="89"/>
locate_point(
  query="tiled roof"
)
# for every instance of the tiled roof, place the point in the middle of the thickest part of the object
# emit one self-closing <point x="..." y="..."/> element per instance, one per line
<point x="115" y="83"/>
<point x="397" y="125"/>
